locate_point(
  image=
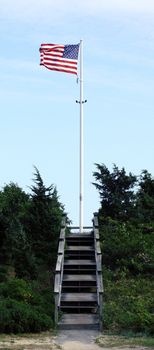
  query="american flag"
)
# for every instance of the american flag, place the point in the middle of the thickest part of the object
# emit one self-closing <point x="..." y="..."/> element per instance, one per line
<point x="62" y="58"/>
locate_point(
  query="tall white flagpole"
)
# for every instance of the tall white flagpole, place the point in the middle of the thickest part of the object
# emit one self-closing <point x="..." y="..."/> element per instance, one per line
<point x="81" y="102"/>
<point x="81" y="137"/>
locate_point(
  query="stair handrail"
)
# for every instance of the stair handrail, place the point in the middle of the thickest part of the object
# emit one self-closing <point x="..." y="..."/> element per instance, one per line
<point x="59" y="268"/>
<point x="99" y="278"/>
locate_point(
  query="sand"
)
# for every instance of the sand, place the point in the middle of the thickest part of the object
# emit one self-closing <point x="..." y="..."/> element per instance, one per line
<point x="64" y="340"/>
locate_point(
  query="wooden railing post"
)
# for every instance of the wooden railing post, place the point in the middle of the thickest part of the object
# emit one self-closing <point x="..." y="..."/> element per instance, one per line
<point x="56" y="308"/>
<point x="96" y="220"/>
<point x="59" y="268"/>
<point x="63" y="222"/>
<point x="99" y="279"/>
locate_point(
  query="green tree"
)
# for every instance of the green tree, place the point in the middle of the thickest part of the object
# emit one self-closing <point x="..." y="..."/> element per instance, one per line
<point x="13" y="203"/>
<point x="124" y="246"/>
<point x="15" y="249"/>
<point x="145" y="198"/>
<point x="116" y="192"/>
<point x="45" y="214"/>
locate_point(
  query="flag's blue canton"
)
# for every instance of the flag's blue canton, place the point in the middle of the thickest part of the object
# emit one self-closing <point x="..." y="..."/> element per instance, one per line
<point x="71" y="51"/>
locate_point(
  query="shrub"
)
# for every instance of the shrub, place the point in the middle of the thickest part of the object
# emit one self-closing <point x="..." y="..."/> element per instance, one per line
<point x="128" y="303"/>
<point x="25" y="308"/>
<point x="17" y="289"/>
<point x="19" y="317"/>
<point x="125" y="245"/>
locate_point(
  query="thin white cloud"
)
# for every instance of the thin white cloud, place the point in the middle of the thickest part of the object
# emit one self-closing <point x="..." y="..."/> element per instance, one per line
<point x="32" y="9"/>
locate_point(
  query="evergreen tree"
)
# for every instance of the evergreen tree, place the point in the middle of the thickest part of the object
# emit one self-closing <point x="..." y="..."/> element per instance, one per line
<point x="13" y="203"/>
<point x="116" y="192"/>
<point x="145" y="198"/>
<point x="45" y="214"/>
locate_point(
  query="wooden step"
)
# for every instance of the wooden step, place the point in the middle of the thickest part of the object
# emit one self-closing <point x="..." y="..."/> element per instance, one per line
<point x="79" y="283"/>
<point x="79" y="297"/>
<point x="79" y="321"/>
<point x="80" y="236"/>
<point x="80" y="255"/>
<point x="79" y="262"/>
<point x="85" y="289"/>
<point x="78" y="242"/>
<point x="78" y="270"/>
<point x="72" y="277"/>
<point x="80" y="247"/>
<point x="79" y="286"/>
<point x="79" y="309"/>
<point x="80" y="239"/>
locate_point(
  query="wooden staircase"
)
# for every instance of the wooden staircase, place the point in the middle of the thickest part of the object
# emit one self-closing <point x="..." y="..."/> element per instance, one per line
<point x="79" y="281"/>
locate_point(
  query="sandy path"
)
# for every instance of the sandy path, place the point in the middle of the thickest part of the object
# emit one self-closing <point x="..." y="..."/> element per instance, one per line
<point x="85" y="340"/>
<point x="69" y="340"/>
<point x="75" y="345"/>
<point x="66" y="340"/>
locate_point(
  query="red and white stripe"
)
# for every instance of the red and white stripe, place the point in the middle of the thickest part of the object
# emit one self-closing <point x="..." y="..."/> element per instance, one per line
<point x="51" y="58"/>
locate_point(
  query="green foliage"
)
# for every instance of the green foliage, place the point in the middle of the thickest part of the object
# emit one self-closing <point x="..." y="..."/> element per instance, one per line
<point x="145" y="198"/>
<point x="125" y="197"/>
<point x="13" y="204"/>
<point x="16" y="289"/>
<point x="128" y="303"/>
<point x="29" y="233"/>
<point x="13" y="201"/>
<point x="44" y="219"/>
<point x="126" y="246"/>
<point x="126" y="224"/>
<point x="23" y="308"/>
<point x="29" y="227"/>
<point x="3" y="273"/>
<point x="19" y="317"/>
<point x="116" y="192"/>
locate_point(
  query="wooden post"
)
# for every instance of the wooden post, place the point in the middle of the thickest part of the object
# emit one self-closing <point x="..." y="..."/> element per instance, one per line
<point x="59" y="268"/>
<point x="101" y="311"/>
<point x="99" y="278"/>
<point x="56" y="308"/>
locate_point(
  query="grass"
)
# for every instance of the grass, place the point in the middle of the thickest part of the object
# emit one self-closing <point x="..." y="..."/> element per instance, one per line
<point x="112" y="340"/>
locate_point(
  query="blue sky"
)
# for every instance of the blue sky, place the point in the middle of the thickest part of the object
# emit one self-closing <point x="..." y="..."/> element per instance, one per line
<point x="39" y="116"/>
